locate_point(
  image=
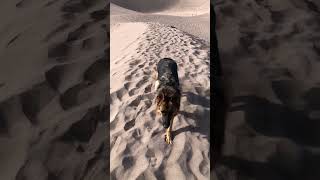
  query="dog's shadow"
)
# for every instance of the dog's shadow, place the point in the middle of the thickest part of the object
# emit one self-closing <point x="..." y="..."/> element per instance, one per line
<point x="201" y="118"/>
<point x="197" y="99"/>
<point x="201" y="126"/>
<point x="189" y="128"/>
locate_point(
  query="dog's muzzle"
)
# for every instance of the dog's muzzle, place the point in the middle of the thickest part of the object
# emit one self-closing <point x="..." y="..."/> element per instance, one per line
<point x="166" y="120"/>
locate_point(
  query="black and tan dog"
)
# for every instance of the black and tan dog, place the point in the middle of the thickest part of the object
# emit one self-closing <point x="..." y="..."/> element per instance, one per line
<point x="167" y="93"/>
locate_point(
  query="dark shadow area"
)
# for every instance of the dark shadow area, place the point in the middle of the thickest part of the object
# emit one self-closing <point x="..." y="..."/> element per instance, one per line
<point x="78" y="6"/>
<point x="197" y="99"/>
<point x="305" y="166"/>
<point x="202" y="123"/>
<point x="70" y="99"/>
<point x="276" y="120"/>
<point x="35" y="99"/>
<point x="285" y="90"/>
<point x="217" y="125"/>
<point x="83" y="130"/>
<point x="273" y="101"/>
<point x="186" y="129"/>
<point x="312" y="97"/>
<point x="249" y="169"/>
<point x="217" y="100"/>
<point x="3" y="121"/>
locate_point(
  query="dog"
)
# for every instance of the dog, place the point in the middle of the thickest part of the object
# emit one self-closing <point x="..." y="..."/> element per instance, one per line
<point x="168" y="93"/>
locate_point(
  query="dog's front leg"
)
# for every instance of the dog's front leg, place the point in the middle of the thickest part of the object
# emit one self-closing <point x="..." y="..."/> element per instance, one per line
<point x="168" y="137"/>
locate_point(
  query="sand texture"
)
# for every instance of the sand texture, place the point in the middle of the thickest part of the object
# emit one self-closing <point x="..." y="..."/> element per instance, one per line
<point x="52" y="90"/>
<point x="138" y="149"/>
<point x="269" y="52"/>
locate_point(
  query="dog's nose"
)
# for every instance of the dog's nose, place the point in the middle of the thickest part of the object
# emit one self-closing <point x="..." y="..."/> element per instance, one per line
<point x="165" y="122"/>
<point x="165" y="119"/>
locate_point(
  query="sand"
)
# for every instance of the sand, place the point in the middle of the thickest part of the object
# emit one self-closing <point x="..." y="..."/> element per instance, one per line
<point x="138" y="149"/>
<point x="195" y="25"/>
<point x="53" y="77"/>
<point x="269" y="52"/>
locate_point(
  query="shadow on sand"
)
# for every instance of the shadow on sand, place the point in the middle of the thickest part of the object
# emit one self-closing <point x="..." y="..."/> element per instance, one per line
<point x="276" y="120"/>
<point x="292" y="157"/>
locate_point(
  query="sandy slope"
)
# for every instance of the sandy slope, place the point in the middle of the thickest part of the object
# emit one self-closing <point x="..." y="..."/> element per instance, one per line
<point x="139" y="39"/>
<point x="52" y="90"/>
<point x="270" y="58"/>
<point x="138" y="149"/>
<point x="195" y="25"/>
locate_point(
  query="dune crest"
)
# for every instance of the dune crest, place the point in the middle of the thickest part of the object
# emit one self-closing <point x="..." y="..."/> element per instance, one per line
<point x="173" y="7"/>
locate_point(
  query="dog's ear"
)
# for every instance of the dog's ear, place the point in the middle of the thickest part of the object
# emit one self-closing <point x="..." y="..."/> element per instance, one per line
<point x="159" y="97"/>
<point x="158" y="100"/>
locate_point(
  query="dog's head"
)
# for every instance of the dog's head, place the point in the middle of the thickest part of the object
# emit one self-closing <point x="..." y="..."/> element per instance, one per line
<point x="168" y="103"/>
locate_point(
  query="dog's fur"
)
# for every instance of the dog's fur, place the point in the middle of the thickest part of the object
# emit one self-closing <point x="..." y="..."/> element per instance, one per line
<point x="168" y="93"/>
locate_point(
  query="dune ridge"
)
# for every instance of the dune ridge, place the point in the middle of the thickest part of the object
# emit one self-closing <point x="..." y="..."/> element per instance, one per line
<point x="167" y="7"/>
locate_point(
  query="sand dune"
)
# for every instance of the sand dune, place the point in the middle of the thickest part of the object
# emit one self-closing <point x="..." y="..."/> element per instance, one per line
<point x="168" y="7"/>
<point x="195" y="25"/>
<point x="138" y="149"/>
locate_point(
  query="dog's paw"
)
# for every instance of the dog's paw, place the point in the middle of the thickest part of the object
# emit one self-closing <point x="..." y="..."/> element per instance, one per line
<point x="168" y="139"/>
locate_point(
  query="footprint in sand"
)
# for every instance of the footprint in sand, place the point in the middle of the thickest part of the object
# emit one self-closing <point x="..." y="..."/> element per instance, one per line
<point x="147" y="103"/>
<point x="148" y="88"/>
<point x="120" y="93"/>
<point x="147" y="125"/>
<point x="96" y="71"/>
<point x="133" y="91"/>
<point x="127" y="85"/>
<point x="129" y="125"/>
<point x="127" y="162"/>
<point x="137" y="133"/>
<point x="22" y="3"/>
<point x="132" y="73"/>
<point x="134" y="63"/>
<point x="203" y="167"/>
<point x="128" y="78"/>
<point x="141" y="82"/>
<point x="146" y="73"/>
<point x="135" y="102"/>
<point x="152" y="157"/>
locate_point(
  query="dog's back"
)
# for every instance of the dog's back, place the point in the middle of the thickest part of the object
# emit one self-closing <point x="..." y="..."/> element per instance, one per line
<point x="168" y="72"/>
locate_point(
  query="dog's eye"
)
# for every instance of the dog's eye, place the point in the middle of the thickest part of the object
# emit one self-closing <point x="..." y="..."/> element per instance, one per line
<point x="159" y="97"/>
